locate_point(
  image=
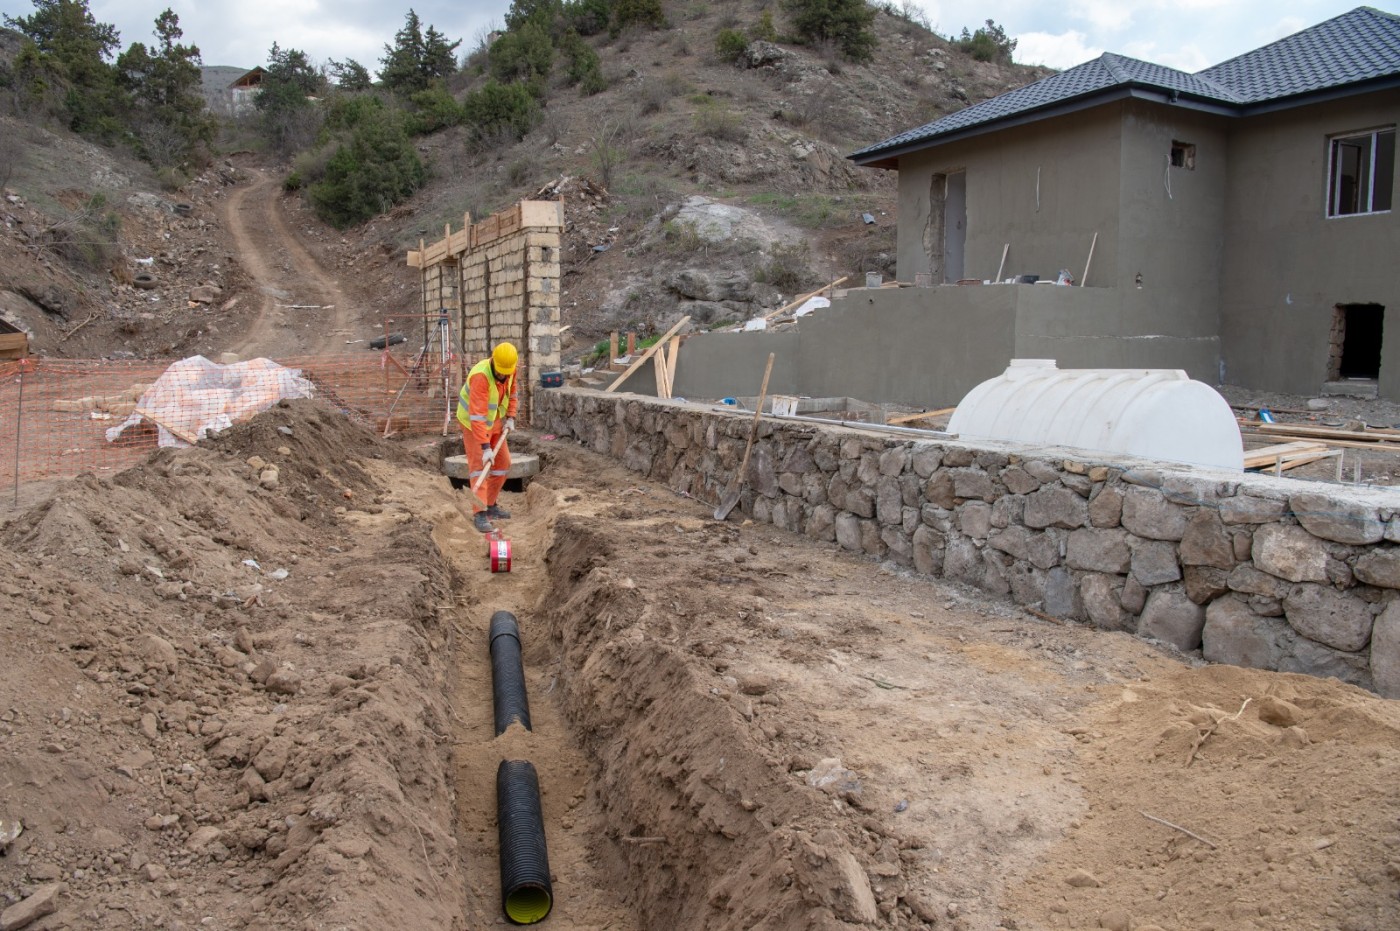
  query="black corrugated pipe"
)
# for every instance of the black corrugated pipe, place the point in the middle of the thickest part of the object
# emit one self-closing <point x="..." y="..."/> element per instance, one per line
<point x="526" y="893"/>
<point x="507" y="673"/>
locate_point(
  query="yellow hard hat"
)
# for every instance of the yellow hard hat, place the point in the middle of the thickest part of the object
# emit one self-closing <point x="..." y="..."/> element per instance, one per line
<point x="503" y="359"/>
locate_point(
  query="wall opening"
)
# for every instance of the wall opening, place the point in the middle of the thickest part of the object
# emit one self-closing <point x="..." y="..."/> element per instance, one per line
<point x="955" y="226"/>
<point x="1184" y="155"/>
<point x="1354" y="351"/>
<point x="934" y="230"/>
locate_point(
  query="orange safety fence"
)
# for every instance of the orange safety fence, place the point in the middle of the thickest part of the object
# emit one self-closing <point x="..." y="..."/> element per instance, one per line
<point x="62" y="417"/>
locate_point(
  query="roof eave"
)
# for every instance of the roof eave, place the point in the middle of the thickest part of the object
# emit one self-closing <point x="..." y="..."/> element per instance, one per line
<point x="1326" y="95"/>
<point x="889" y="158"/>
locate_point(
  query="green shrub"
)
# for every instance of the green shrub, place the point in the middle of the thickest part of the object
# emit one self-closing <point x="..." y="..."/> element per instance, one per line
<point x="843" y="22"/>
<point x="719" y="123"/>
<point x="730" y="45"/>
<point x="368" y="173"/>
<point x="764" y="30"/>
<point x="500" y="111"/>
<point x="989" y="43"/>
<point x="787" y="268"/>
<point x="433" y="109"/>
<point x="587" y="17"/>
<point x="585" y="68"/>
<point x="644" y="13"/>
<point x="523" y="54"/>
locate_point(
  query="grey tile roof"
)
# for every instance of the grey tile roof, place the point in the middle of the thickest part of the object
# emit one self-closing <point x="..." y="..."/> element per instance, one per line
<point x="1353" y="47"/>
<point x="1356" y="46"/>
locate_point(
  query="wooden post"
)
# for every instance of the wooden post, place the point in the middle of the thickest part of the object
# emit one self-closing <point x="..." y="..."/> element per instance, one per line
<point x="637" y="362"/>
<point x="1004" y="249"/>
<point x="631" y="344"/>
<point x="612" y="349"/>
<point x="1085" y="280"/>
<point x="674" y="353"/>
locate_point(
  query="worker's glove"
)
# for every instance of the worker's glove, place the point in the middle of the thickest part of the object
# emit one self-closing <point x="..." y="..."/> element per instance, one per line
<point x="510" y="424"/>
<point x="488" y="455"/>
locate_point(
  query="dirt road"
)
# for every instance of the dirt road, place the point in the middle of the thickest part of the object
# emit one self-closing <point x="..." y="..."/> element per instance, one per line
<point x="303" y="309"/>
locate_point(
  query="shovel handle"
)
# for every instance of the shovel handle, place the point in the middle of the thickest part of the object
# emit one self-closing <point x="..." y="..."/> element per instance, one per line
<point x="481" y="479"/>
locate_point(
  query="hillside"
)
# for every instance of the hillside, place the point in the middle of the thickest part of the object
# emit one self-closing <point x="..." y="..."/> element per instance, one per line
<point x="768" y="135"/>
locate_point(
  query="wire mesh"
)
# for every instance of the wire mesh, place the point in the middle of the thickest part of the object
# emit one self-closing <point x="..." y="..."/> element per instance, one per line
<point x="61" y="417"/>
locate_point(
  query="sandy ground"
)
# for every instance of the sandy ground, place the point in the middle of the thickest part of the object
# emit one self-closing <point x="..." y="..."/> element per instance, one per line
<point x="734" y="728"/>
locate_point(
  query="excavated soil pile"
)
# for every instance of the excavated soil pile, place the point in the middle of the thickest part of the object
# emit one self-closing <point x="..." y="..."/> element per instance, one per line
<point x="735" y="728"/>
<point x="222" y="703"/>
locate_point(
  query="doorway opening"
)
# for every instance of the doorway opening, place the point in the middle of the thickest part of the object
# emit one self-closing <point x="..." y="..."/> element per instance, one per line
<point x="945" y="236"/>
<point x="1354" y="350"/>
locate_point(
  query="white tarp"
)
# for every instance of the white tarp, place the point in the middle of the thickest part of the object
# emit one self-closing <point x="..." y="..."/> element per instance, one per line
<point x="195" y="398"/>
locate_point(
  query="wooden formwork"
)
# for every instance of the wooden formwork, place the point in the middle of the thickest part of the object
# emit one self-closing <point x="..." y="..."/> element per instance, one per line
<point x="498" y="280"/>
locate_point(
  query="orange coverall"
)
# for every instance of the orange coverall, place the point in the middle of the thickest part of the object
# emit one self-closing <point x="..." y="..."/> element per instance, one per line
<point x="482" y="429"/>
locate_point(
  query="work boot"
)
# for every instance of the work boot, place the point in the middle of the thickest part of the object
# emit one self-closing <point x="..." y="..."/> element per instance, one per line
<point x="496" y="512"/>
<point x="481" y="521"/>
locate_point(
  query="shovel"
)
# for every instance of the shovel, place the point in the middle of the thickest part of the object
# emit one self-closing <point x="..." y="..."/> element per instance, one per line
<point x="480" y="480"/>
<point x="731" y="494"/>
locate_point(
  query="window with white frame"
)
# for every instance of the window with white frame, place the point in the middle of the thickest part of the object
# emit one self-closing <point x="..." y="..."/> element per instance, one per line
<point x="1362" y="173"/>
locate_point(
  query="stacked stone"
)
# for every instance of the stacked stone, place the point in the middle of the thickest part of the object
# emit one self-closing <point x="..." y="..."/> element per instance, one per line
<point x="1244" y="569"/>
<point x="506" y="269"/>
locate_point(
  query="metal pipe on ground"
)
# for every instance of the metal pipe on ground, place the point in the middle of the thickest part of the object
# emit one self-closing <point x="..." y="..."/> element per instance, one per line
<point x="508" y="673"/>
<point x="526" y="892"/>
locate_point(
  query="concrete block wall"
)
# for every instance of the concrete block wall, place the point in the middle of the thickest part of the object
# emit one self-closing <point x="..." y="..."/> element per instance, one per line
<point x="1250" y="570"/>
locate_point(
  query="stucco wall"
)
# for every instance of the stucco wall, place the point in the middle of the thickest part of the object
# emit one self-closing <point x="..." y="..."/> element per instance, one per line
<point x="1287" y="265"/>
<point x="930" y="346"/>
<point x="1044" y="188"/>
<point x="1113" y="328"/>
<point x="1251" y="570"/>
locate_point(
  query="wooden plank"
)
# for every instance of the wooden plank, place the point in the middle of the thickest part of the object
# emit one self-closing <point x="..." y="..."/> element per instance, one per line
<point x="182" y="434"/>
<point x="1320" y="433"/>
<point x="662" y="389"/>
<point x="798" y="302"/>
<point x="674" y="354"/>
<point x="13" y="341"/>
<point x="1269" y="453"/>
<point x="1085" y="280"/>
<point x="638" y="362"/>
<point x="1344" y="444"/>
<point x="1004" y="249"/>
<point x="923" y="415"/>
<point x="1266" y="455"/>
<point x="1293" y="463"/>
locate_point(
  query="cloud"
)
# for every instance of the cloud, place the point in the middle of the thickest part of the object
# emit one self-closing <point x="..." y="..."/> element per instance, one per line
<point x="1055" y="51"/>
<point x="1104" y="15"/>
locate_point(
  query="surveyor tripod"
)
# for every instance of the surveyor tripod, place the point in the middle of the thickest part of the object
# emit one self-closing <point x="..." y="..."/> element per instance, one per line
<point x="437" y="347"/>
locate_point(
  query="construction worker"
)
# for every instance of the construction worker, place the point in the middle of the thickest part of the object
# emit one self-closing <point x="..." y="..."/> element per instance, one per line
<point x="486" y="412"/>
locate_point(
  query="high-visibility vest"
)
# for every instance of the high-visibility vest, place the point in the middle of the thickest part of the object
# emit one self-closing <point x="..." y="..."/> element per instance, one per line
<point x="498" y="402"/>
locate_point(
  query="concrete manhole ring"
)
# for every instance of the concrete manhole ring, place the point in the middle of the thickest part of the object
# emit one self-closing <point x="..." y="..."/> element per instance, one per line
<point x="145" y="281"/>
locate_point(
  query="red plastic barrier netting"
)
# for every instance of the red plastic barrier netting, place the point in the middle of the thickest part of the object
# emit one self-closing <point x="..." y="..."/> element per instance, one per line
<point x="60" y="418"/>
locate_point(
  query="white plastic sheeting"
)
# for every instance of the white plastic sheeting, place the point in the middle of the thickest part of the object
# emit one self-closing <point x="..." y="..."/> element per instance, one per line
<point x="195" y="398"/>
<point x="1149" y="413"/>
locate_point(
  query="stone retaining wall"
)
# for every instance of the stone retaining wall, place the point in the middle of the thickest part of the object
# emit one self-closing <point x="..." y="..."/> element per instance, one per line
<point x="1251" y="570"/>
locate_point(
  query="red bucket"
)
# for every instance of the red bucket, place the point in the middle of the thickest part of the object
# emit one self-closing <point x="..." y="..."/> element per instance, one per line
<point x="499" y="552"/>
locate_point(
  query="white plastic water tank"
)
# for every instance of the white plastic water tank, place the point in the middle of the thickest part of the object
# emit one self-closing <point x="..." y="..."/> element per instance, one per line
<point x="1149" y="413"/>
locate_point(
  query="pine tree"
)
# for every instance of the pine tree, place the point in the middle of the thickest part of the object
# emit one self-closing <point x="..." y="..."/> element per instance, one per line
<point x="350" y="75"/>
<point x="289" y="119"/>
<point x="73" y="50"/>
<point x="169" y="116"/>
<point x="415" y="60"/>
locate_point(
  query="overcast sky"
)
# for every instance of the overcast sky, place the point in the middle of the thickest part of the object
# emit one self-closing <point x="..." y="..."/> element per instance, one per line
<point x="1185" y="34"/>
